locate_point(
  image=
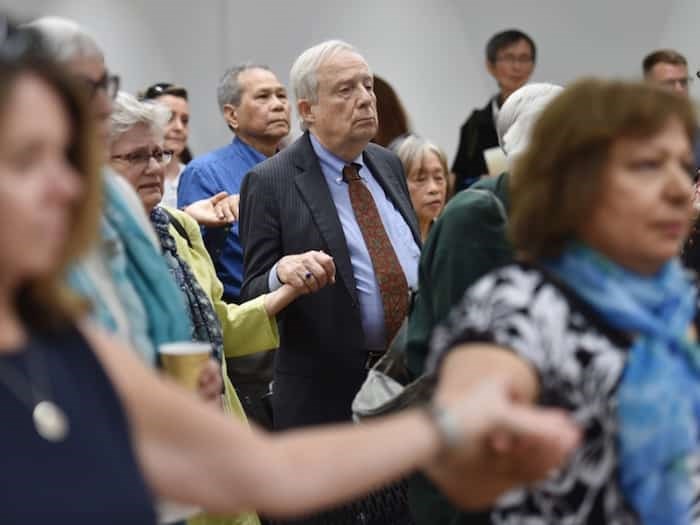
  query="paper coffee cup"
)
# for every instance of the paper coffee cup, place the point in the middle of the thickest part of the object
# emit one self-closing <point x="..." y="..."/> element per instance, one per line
<point x="184" y="361"/>
<point x="496" y="161"/>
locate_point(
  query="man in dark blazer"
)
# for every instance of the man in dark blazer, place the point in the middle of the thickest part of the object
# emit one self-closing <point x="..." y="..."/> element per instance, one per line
<point x="299" y="226"/>
<point x="510" y="59"/>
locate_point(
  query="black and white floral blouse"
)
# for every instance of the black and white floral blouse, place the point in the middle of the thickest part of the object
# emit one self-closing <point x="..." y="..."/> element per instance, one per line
<point x="579" y="360"/>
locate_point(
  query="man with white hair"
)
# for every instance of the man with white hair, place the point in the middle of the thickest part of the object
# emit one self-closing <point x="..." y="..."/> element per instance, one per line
<point x="467" y="241"/>
<point x="124" y="277"/>
<point x="331" y="207"/>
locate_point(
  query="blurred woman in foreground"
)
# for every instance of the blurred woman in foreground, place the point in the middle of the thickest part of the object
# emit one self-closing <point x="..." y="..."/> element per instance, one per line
<point x="107" y="434"/>
<point x="598" y="317"/>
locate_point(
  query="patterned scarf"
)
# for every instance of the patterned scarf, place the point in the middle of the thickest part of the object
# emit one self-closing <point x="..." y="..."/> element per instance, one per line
<point x="659" y="392"/>
<point x="205" y="323"/>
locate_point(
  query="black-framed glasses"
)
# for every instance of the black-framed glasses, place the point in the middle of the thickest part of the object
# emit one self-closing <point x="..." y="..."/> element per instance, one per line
<point x="140" y="159"/>
<point x="523" y="60"/>
<point x="108" y="83"/>
<point x="156" y="90"/>
<point x="684" y="82"/>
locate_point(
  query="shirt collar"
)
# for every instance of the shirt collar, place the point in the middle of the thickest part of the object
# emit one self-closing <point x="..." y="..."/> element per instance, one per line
<point x="332" y="162"/>
<point x="247" y="150"/>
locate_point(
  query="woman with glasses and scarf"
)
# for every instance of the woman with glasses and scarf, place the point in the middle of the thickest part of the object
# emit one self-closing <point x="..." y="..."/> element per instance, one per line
<point x="138" y="154"/>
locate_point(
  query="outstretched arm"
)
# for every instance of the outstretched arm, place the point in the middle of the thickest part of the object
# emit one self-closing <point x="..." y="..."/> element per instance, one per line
<point x="193" y="454"/>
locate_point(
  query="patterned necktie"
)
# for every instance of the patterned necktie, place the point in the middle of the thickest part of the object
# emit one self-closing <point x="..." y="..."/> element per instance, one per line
<point x="390" y="276"/>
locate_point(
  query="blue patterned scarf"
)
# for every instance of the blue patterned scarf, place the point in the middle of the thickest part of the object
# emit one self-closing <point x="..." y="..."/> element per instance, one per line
<point x="659" y="392"/>
<point x="205" y="324"/>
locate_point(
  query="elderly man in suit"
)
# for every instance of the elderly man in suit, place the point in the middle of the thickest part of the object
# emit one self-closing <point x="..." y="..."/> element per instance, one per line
<point x="330" y="207"/>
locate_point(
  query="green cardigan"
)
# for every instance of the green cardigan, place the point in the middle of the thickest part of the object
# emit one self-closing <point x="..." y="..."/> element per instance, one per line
<point x="467" y="241"/>
<point x="246" y="328"/>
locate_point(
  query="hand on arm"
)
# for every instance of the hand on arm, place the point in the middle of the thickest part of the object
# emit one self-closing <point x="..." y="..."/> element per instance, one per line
<point x="522" y="443"/>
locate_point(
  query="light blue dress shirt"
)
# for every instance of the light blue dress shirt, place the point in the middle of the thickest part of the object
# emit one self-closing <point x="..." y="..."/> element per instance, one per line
<point x="407" y="251"/>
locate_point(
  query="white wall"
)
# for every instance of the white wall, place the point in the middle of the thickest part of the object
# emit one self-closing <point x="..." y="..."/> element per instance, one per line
<point x="431" y="52"/>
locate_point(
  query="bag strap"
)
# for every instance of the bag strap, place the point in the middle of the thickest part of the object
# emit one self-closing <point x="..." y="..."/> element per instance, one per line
<point x="178" y="226"/>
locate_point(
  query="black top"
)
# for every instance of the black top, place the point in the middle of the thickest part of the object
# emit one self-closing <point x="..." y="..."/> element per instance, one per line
<point x="477" y="134"/>
<point x="90" y="477"/>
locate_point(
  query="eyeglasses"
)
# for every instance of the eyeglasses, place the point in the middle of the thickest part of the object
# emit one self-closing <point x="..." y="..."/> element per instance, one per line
<point x="523" y="60"/>
<point x="156" y="90"/>
<point x="672" y="82"/>
<point x="108" y="83"/>
<point x="140" y="159"/>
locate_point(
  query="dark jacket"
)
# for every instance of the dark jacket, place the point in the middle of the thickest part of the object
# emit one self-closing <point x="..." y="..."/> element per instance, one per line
<point x="477" y="134"/>
<point x="466" y="242"/>
<point x="287" y="209"/>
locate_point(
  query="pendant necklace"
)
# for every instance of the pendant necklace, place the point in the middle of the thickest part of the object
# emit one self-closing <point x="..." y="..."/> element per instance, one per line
<point x="50" y="421"/>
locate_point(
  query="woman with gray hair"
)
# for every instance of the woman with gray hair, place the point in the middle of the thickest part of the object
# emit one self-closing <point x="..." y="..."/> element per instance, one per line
<point x="519" y="113"/>
<point x="425" y="167"/>
<point x="137" y="154"/>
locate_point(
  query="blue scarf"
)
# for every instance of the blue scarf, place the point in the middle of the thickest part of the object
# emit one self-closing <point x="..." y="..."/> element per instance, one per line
<point x="148" y="274"/>
<point x="659" y="392"/>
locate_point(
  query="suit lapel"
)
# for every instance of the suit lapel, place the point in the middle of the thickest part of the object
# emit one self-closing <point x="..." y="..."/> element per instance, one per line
<point x="314" y="191"/>
<point x="379" y="167"/>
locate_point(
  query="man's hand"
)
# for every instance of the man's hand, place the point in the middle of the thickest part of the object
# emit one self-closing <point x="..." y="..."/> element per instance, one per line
<point x="216" y="211"/>
<point x="309" y="271"/>
<point x="210" y="383"/>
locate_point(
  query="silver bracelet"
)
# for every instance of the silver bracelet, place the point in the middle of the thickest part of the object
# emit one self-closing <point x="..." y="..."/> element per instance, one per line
<point x="447" y="426"/>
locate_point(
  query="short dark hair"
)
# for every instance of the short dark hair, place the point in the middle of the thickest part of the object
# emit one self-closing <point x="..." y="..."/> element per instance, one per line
<point x="662" y="56"/>
<point x="505" y="39"/>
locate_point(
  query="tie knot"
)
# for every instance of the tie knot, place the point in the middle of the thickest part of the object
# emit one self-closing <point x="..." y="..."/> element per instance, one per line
<point x="351" y="172"/>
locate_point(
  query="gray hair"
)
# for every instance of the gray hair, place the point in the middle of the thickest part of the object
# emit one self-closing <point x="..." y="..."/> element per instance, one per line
<point x="413" y="148"/>
<point x="229" y="89"/>
<point x="303" y="75"/>
<point x="65" y="39"/>
<point x="128" y="111"/>
<point x="519" y="113"/>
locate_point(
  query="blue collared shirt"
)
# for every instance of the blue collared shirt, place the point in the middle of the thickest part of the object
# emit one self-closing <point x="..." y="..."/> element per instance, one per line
<point x="221" y="170"/>
<point x="407" y="251"/>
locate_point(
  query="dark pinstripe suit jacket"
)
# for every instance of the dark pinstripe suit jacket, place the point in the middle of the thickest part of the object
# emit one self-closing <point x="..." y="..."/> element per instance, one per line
<point x="287" y="209"/>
